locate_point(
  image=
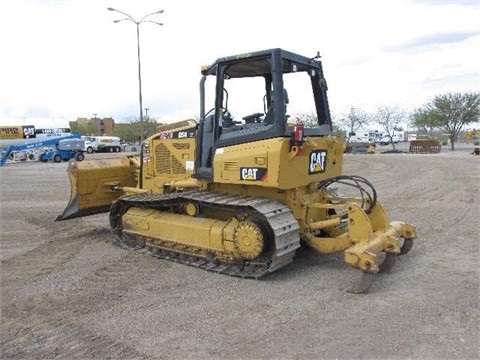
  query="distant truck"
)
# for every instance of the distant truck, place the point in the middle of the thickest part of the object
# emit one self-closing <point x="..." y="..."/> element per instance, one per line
<point x="102" y="144"/>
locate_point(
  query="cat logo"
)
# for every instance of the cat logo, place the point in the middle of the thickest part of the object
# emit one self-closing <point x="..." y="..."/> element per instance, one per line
<point x="253" y="174"/>
<point x="28" y="131"/>
<point x="318" y="162"/>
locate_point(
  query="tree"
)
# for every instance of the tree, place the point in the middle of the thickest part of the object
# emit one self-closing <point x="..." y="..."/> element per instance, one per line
<point x="449" y="112"/>
<point x="309" y="120"/>
<point x="125" y="132"/>
<point x="389" y="118"/>
<point x="84" y="128"/>
<point x="149" y="126"/>
<point x="423" y="121"/>
<point x="354" y="121"/>
<point x="130" y="131"/>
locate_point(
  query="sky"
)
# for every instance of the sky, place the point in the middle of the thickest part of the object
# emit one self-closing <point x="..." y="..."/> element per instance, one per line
<point x="65" y="59"/>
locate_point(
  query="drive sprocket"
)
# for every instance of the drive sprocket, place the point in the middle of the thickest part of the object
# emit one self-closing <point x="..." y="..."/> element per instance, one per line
<point x="249" y="240"/>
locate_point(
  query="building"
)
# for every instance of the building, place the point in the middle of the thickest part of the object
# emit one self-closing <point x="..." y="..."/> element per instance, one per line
<point x="95" y="126"/>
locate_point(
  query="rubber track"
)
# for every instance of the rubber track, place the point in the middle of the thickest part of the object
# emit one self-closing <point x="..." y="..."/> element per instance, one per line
<point x="279" y="217"/>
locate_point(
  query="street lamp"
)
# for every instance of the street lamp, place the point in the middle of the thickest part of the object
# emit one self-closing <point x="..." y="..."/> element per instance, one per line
<point x="138" y="22"/>
<point x="146" y="117"/>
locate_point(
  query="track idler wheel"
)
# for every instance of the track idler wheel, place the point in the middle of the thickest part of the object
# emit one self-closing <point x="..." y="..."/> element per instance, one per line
<point x="406" y="247"/>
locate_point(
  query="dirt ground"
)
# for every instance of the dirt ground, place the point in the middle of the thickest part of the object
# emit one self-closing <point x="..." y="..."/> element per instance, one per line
<point x="68" y="293"/>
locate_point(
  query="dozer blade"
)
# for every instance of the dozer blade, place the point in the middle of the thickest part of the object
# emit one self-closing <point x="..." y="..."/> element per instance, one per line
<point x="94" y="185"/>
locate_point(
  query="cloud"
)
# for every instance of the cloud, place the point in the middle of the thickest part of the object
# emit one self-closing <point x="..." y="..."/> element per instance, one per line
<point x="425" y="42"/>
<point x="68" y="59"/>
<point x="470" y="3"/>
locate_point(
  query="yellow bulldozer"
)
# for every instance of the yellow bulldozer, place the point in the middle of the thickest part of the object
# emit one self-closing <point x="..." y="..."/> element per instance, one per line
<point x="472" y="136"/>
<point x="239" y="192"/>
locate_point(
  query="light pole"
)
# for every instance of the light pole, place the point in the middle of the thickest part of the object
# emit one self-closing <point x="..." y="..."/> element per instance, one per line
<point x="138" y="22"/>
<point x="94" y="126"/>
<point x="146" y="117"/>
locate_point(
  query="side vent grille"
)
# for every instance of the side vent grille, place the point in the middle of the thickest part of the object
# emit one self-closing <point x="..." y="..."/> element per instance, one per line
<point x="181" y="146"/>
<point x="231" y="165"/>
<point x="165" y="162"/>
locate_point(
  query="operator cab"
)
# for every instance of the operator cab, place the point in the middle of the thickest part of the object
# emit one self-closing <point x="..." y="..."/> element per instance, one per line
<point x="256" y="96"/>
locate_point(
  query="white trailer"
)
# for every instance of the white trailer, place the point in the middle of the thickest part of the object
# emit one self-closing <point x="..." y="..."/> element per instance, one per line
<point x="397" y="137"/>
<point x="365" y="136"/>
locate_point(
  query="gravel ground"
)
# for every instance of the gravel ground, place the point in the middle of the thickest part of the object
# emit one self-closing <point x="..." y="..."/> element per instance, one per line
<point x="68" y="293"/>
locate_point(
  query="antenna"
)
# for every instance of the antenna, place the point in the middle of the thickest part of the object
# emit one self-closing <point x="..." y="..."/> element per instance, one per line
<point x="318" y="56"/>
